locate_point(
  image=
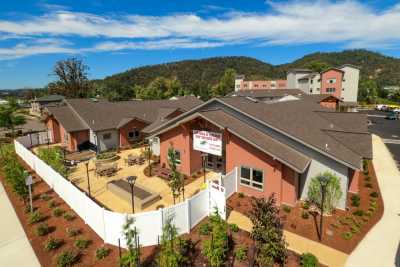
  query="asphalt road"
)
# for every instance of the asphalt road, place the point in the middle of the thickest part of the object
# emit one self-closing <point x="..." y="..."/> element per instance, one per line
<point x="388" y="130"/>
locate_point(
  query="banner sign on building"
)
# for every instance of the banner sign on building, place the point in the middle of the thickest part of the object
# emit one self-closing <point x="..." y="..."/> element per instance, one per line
<point x="207" y="142"/>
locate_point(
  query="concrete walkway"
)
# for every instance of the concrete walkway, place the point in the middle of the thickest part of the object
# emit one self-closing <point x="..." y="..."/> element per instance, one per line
<point x="380" y="246"/>
<point x="15" y="249"/>
<point x="296" y="243"/>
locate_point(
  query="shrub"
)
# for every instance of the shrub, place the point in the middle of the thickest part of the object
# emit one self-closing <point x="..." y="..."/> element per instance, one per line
<point x="42" y="229"/>
<point x="52" y="204"/>
<point x="71" y="232"/>
<point x="216" y="247"/>
<point x="355" y="200"/>
<point x="67" y="258"/>
<point x="347" y="235"/>
<point x="368" y="185"/>
<point x="35" y="217"/>
<point x="286" y="208"/>
<point x="241" y="195"/>
<point x="69" y="216"/>
<point x="52" y="244"/>
<point x="205" y="229"/>
<point x="358" y="213"/>
<point x="57" y="212"/>
<point x="45" y="197"/>
<point x="106" y="155"/>
<point x="102" y="252"/>
<point x="54" y="157"/>
<point x="305" y="215"/>
<point x="234" y="228"/>
<point x="306" y="205"/>
<point x="241" y="253"/>
<point x="82" y="243"/>
<point x="374" y="194"/>
<point x="368" y="213"/>
<point x="355" y="229"/>
<point x="308" y="260"/>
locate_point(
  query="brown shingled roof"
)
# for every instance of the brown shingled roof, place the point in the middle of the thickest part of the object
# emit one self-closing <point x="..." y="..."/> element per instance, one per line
<point x="103" y="115"/>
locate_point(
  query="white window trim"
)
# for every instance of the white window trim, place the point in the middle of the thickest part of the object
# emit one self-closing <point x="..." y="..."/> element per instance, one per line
<point x="251" y="178"/>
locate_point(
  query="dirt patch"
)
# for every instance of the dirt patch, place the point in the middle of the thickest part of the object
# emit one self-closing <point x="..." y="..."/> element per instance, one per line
<point x="336" y="226"/>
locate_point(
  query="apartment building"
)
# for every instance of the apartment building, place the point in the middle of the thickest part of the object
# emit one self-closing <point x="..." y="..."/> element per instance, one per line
<point x="242" y="84"/>
<point x="342" y="82"/>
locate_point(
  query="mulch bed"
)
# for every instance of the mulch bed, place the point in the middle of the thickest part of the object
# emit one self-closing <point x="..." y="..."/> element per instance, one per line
<point x="336" y="224"/>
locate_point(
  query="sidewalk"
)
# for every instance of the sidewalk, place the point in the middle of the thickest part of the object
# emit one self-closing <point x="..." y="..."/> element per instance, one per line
<point x="380" y="246"/>
<point x="298" y="244"/>
<point x="15" y="249"/>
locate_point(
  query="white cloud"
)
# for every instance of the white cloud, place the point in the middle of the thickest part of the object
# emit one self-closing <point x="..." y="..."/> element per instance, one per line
<point x="299" y="22"/>
<point x="24" y="50"/>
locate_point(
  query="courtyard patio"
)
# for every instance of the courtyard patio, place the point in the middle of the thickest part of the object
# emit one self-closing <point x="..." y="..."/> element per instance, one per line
<point x="111" y="200"/>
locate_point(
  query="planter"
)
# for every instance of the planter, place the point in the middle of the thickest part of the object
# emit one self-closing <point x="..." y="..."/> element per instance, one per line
<point x="106" y="160"/>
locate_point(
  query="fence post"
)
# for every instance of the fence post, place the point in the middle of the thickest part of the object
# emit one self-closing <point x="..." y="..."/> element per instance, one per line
<point x="236" y="179"/>
<point x="161" y="220"/>
<point x="188" y="215"/>
<point x="104" y="225"/>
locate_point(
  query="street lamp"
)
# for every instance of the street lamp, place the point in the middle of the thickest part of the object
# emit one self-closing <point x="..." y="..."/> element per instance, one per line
<point x="131" y="180"/>
<point x="204" y="159"/>
<point x="323" y="182"/>
<point x="87" y="176"/>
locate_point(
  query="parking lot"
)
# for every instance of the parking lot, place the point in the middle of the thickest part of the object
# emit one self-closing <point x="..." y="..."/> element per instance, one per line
<point x="388" y="130"/>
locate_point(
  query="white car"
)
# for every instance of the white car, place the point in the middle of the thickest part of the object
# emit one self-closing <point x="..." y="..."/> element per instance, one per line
<point x="381" y="107"/>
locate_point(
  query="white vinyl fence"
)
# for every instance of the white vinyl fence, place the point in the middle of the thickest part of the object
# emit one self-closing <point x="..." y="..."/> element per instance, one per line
<point x="108" y="224"/>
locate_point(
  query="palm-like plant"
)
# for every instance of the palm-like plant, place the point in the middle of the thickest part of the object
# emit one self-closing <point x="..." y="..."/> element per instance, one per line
<point x="176" y="182"/>
<point x="9" y="117"/>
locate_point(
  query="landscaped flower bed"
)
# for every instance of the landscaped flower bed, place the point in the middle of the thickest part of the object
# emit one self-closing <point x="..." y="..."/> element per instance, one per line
<point x="343" y="230"/>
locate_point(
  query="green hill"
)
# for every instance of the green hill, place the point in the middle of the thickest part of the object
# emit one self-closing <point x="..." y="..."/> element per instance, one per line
<point x="204" y="73"/>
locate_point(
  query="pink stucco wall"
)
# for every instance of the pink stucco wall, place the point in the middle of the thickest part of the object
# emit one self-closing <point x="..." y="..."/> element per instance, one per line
<point x="124" y="131"/>
<point x="328" y="75"/>
<point x="354" y="177"/>
<point x="53" y="125"/>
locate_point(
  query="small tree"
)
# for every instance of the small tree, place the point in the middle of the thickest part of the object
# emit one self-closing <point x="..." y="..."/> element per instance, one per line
<point x="176" y="182"/>
<point x="324" y="192"/>
<point x="333" y="192"/>
<point x="268" y="232"/>
<point x="9" y="117"/>
<point x="170" y="255"/>
<point x="216" y="248"/>
<point x="132" y="257"/>
<point x="148" y="153"/>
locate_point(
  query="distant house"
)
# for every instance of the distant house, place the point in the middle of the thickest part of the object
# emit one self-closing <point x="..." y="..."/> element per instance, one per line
<point x="3" y="101"/>
<point x="38" y="104"/>
<point x="102" y="125"/>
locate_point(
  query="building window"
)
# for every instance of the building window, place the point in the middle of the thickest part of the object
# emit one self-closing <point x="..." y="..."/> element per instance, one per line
<point x="252" y="177"/>
<point x="256" y="85"/>
<point x="330" y="90"/>
<point x="310" y="90"/>
<point x="134" y="134"/>
<point x="317" y="89"/>
<point x="343" y="89"/>
<point x="106" y="136"/>
<point x="331" y="81"/>
<point x="311" y="81"/>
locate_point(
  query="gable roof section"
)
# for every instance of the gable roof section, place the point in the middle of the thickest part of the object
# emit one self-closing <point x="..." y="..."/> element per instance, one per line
<point x="67" y="118"/>
<point x="258" y="139"/>
<point x="305" y="122"/>
<point x="104" y="115"/>
<point x="49" y="98"/>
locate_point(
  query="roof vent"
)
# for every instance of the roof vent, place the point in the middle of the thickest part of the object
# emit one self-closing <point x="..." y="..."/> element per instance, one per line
<point x="331" y="125"/>
<point x="326" y="147"/>
<point x="92" y="121"/>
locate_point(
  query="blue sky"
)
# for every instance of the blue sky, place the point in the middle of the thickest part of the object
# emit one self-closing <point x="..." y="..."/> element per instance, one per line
<point x="113" y="36"/>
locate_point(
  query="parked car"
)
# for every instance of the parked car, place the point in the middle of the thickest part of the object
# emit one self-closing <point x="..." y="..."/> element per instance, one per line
<point x="381" y="107"/>
<point x="392" y="116"/>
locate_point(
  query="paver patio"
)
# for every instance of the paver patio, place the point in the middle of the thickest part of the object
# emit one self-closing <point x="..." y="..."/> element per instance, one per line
<point x="113" y="202"/>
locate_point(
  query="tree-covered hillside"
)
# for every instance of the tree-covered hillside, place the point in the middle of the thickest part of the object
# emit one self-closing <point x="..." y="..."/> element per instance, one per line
<point x="207" y="72"/>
